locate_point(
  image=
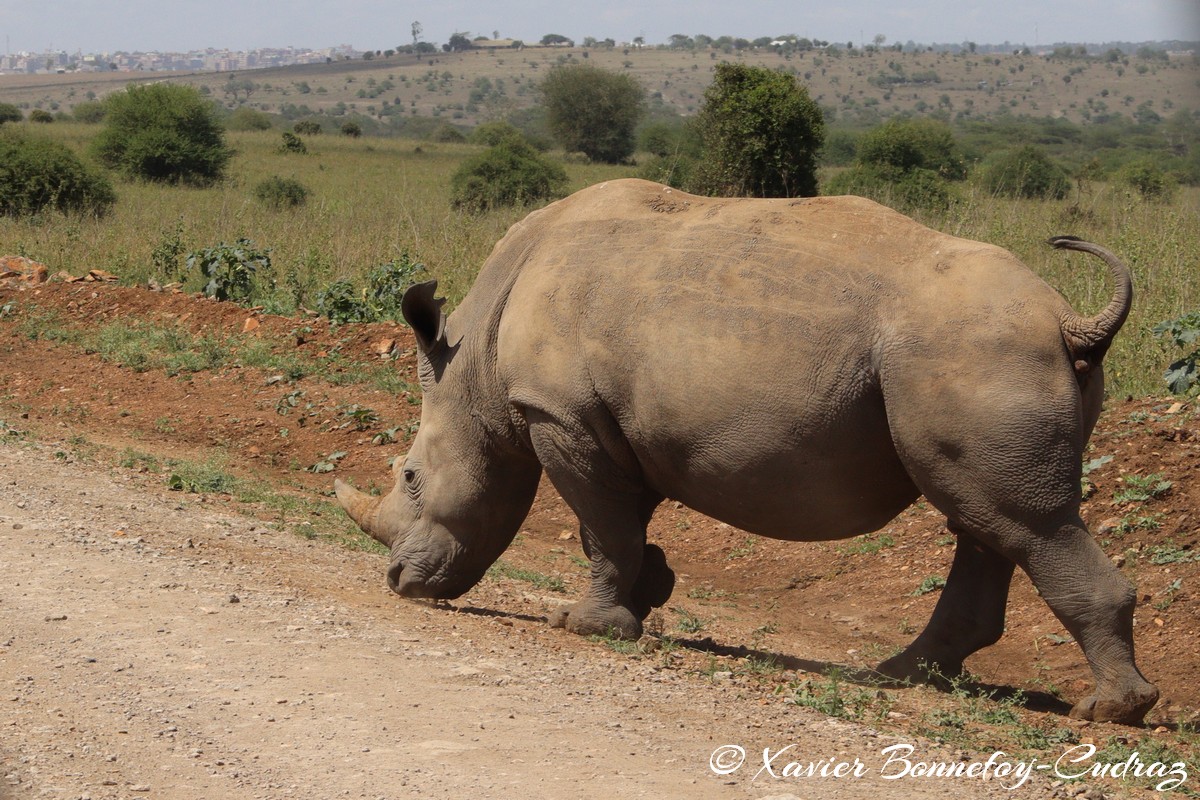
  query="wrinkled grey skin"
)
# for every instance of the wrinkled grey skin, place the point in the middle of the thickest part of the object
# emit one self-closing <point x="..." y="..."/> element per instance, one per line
<point x="801" y="369"/>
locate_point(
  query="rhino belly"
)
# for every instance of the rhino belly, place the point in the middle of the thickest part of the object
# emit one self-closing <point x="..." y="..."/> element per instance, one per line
<point x="786" y="481"/>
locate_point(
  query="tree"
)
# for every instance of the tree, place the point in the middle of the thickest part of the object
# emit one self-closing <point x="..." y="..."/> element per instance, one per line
<point x="163" y="132"/>
<point x="10" y="113"/>
<point x="593" y="111"/>
<point x="459" y="42"/>
<point x="557" y="39"/>
<point x="761" y="134"/>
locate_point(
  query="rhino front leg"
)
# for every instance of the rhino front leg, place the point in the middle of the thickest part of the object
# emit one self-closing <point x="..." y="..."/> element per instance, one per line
<point x="598" y="477"/>
<point x="969" y="615"/>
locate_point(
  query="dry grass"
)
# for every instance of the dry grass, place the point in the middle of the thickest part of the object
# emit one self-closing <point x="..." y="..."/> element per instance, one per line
<point x="373" y="199"/>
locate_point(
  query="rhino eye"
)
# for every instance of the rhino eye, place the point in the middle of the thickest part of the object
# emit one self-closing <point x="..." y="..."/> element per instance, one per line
<point x="409" y="476"/>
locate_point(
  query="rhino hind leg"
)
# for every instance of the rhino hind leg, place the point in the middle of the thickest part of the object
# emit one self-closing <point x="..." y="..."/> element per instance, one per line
<point x="969" y="616"/>
<point x="1008" y="476"/>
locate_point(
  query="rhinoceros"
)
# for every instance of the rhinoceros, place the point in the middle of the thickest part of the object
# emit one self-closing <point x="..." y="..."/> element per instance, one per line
<point x="801" y="369"/>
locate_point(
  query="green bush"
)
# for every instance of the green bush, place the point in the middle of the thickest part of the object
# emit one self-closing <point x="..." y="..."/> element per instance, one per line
<point x="163" y="132"/>
<point x="292" y="144"/>
<point x="279" y="192"/>
<point x="494" y="133"/>
<point x="10" y="113"/>
<point x="447" y="134"/>
<point x="38" y="174"/>
<point x="340" y="302"/>
<point x="511" y="173"/>
<point x="351" y="128"/>
<point x="913" y="144"/>
<point x="248" y="119"/>
<point x="307" y="127"/>
<point x="593" y="111"/>
<point x="229" y="269"/>
<point x="761" y="133"/>
<point x="905" y="164"/>
<point x="905" y="190"/>
<point x="40" y="115"/>
<point x="1148" y="179"/>
<point x="1025" y="172"/>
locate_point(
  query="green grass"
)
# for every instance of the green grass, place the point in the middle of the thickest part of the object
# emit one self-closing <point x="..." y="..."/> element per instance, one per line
<point x="172" y="349"/>
<point x="503" y="569"/>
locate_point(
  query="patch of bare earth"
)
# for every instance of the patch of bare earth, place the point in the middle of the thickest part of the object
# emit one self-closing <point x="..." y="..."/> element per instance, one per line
<point x="179" y="645"/>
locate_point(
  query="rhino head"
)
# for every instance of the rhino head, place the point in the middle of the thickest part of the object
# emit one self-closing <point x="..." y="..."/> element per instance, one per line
<point x="464" y="488"/>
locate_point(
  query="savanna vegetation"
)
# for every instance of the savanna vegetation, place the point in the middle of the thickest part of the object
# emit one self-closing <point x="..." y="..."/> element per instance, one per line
<point x="330" y="209"/>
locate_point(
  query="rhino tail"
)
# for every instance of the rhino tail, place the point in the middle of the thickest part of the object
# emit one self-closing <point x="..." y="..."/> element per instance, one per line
<point x="1088" y="338"/>
<point x="362" y="508"/>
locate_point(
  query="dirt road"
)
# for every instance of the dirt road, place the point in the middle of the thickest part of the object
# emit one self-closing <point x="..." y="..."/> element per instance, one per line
<point x="156" y="646"/>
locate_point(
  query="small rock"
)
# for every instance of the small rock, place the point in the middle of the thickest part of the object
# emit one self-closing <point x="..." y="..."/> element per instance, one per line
<point x="233" y="598"/>
<point x="724" y="675"/>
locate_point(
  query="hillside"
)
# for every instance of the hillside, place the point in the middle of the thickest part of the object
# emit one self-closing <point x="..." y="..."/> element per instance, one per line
<point x="858" y="87"/>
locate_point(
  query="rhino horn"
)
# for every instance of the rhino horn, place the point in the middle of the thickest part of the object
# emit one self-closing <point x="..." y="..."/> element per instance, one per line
<point x="362" y="508"/>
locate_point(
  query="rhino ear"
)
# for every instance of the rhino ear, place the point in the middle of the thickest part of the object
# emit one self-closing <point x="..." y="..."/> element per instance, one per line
<point x="423" y="312"/>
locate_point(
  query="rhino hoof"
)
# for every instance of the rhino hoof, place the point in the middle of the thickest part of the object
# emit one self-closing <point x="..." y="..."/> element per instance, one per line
<point x="591" y="619"/>
<point x="1128" y="710"/>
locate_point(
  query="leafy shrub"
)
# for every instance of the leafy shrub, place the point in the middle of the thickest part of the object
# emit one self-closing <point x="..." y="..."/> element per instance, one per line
<point x="248" y="119"/>
<point x="40" y="115"/>
<point x="229" y="269"/>
<point x="511" y="173"/>
<point x="10" y="113"/>
<point x="761" y="133"/>
<point x="386" y="283"/>
<point x="279" y="192"/>
<point x="90" y="111"/>
<point x="292" y="144"/>
<point x="307" y="127"/>
<point x="1146" y="178"/>
<point x="351" y="128"/>
<point x="163" y="132"/>
<point x="905" y="145"/>
<point x="341" y="303"/>
<point x="1025" y="172"/>
<point x="905" y="190"/>
<point x="1183" y="376"/>
<point x="906" y="164"/>
<point x="37" y="173"/>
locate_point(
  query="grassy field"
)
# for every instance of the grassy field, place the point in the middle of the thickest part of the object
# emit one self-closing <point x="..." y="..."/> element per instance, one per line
<point x="373" y="199"/>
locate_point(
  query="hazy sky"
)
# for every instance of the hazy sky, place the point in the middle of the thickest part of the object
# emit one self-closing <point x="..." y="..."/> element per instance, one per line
<point x="108" y="25"/>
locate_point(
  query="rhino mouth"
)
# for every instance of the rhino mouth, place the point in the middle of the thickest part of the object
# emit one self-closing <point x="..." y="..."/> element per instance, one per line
<point x="409" y="580"/>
